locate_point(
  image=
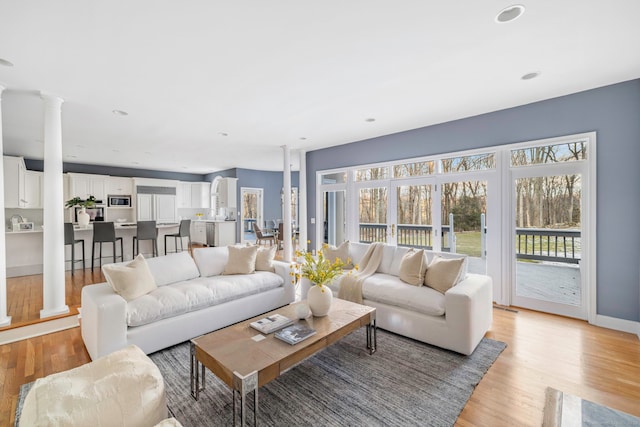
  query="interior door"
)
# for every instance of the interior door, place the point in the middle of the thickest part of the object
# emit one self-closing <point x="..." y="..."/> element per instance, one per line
<point x="251" y="212"/>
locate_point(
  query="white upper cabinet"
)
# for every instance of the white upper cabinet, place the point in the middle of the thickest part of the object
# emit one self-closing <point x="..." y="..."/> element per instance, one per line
<point x="227" y="193"/>
<point x="184" y="195"/>
<point x="119" y="186"/>
<point x="14" y="182"/>
<point x="85" y="185"/>
<point x="201" y="195"/>
<point x="33" y="182"/>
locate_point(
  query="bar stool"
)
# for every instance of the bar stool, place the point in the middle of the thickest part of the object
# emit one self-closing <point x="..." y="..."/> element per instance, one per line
<point x="146" y="230"/>
<point x="183" y="231"/>
<point x="105" y="232"/>
<point x="70" y="239"/>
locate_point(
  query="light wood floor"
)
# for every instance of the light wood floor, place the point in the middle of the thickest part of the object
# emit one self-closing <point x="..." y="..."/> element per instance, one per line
<point x="543" y="350"/>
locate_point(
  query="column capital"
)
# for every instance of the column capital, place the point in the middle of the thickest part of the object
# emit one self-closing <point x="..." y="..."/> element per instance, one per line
<point x="52" y="99"/>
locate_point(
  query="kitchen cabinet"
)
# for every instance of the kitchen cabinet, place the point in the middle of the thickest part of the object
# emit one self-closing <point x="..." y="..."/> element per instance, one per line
<point x="85" y="185"/>
<point x="158" y="207"/>
<point x="14" y="182"/>
<point x="227" y="188"/>
<point x="199" y="232"/>
<point x="225" y="233"/>
<point x="200" y="195"/>
<point x="33" y="182"/>
<point x="184" y="195"/>
<point x="119" y="186"/>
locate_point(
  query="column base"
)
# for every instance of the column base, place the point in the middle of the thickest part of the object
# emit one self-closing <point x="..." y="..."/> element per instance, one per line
<point x="54" y="311"/>
<point x="5" y="321"/>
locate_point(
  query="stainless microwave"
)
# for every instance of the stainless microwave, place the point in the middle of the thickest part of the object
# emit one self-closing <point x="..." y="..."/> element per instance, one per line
<point x="121" y="201"/>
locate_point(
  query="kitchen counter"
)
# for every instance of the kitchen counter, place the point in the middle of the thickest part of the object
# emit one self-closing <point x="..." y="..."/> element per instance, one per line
<point x="24" y="248"/>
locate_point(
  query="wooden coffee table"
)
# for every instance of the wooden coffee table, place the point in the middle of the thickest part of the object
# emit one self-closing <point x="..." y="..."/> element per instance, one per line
<point x="245" y="364"/>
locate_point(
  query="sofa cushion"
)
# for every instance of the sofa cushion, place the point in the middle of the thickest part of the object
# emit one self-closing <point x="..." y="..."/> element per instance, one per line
<point x="396" y="261"/>
<point x="191" y="295"/>
<point x="264" y="259"/>
<point x="242" y="260"/>
<point x="211" y="261"/>
<point x="389" y="289"/>
<point x="448" y="255"/>
<point x="173" y="268"/>
<point x="442" y="274"/>
<point x="388" y="254"/>
<point x="412" y="267"/>
<point x="341" y="252"/>
<point x="357" y="251"/>
<point x="130" y="280"/>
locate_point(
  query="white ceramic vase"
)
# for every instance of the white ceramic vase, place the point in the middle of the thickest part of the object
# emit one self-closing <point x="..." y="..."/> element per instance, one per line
<point x="319" y="299"/>
<point x="83" y="218"/>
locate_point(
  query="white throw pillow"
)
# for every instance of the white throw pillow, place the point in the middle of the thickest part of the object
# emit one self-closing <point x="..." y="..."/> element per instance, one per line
<point x="341" y="252"/>
<point x="242" y="260"/>
<point x="412" y="267"/>
<point x="130" y="280"/>
<point x="264" y="259"/>
<point x="443" y="274"/>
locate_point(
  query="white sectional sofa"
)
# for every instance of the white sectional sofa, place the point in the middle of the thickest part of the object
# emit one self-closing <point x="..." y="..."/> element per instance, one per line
<point x="193" y="297"/>
<point x="456" y="320"/>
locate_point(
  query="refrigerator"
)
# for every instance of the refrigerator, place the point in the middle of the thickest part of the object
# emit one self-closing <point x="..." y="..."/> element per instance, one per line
<point x="158" y="207"/>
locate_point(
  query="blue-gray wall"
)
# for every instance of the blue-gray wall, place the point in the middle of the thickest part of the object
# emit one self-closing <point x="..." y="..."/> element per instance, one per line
<point x="612" y="111"/>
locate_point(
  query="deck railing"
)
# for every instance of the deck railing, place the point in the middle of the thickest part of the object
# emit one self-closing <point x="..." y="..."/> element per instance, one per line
<point x="540" y="244"/>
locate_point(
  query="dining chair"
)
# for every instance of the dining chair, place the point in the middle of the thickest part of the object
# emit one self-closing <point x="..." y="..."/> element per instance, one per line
<point x="263" y="237"/>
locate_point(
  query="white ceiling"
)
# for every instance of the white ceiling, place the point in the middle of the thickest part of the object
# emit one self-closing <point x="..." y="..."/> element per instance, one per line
<point x="269" y="73"/>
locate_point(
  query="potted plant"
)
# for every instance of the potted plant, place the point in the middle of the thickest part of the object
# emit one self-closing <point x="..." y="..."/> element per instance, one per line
<point x="319" y="270"/>
<point x="83" y="216"/>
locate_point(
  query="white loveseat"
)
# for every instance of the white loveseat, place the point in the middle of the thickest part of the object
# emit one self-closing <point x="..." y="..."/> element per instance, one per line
<point x="456" y="320"/>
<point x="192" y="298"/>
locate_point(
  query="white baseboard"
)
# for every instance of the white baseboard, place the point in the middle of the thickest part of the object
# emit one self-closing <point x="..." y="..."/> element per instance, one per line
<point x="37" y="329"/>
<point x="618" y="324"/>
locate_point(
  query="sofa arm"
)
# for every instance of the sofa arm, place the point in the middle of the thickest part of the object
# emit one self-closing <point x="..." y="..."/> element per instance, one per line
<point x="103" y="322"/>
<point x="469" y="309"/>
<point x="285" y="270"/>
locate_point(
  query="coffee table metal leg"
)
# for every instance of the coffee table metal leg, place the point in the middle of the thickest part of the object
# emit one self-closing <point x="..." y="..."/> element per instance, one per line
<point x="196" y="370"/>
<point x="244" y="385"/>
<point x="372" y="339"/>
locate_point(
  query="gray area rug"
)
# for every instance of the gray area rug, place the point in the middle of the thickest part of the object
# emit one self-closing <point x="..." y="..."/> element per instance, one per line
<point x="404" y="383"/>
<point x="566" y="410"/>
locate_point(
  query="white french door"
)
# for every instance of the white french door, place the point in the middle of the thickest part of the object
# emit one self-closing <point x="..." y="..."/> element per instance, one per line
<point x="251" y="212"/>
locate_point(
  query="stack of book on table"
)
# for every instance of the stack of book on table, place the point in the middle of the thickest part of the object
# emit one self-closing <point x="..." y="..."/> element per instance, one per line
<point x="271" y="323"/>
<point x="295" y="333"/>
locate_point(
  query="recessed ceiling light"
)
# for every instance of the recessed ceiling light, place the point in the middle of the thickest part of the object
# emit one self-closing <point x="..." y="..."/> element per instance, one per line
<point x="148" y="153"/>
<point x="6" y="63"/>
<point x="79" y="146"/>
<point x="510" y="13"/>
<point x="120" y="113"/>
<point x="303" y="138"/>
<point x="71" y="156"/>
<point x="223" y="133"/>
<point x="370" y="119"/>
<point x="530" y="76"/>
<point x="115" y="150"/>
<point x="135" y="163"/>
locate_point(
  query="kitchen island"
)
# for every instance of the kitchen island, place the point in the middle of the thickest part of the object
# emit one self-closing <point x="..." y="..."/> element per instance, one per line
<point x="24" y="248"/>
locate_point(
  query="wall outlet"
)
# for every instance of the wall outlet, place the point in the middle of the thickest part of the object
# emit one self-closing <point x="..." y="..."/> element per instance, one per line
<point x="313" y="220"/>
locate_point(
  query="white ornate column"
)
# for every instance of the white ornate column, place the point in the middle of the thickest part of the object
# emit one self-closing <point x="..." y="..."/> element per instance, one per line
<point x="4" y="319"/>
<point x="286" y="204"/>
<point x="302" y="200"/>
<point x="53" y="256"/>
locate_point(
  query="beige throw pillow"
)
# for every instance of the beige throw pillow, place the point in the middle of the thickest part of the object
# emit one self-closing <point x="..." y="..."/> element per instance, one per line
<point x="341" y="252"/>
<point x="242" y="260"/>
<point x="131" y="280"/>
<point x="412" y="267"/>
<point x="442" y="273"/>
<point x="264" y="259"/>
